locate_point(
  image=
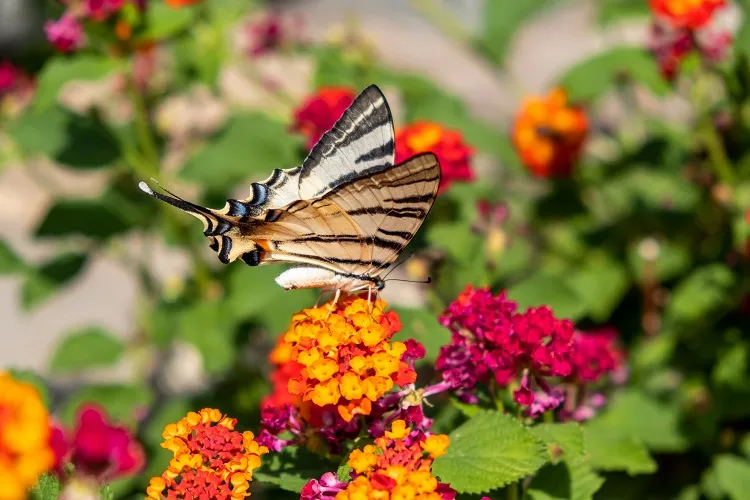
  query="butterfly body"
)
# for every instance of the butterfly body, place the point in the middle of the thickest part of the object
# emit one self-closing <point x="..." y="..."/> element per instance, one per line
<point x="342" y="218"/>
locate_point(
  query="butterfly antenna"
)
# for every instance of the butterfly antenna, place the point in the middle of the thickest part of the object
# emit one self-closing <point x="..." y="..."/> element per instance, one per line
<point x="424" y="282"/>
<point x="404" y="261"/>
<point x="171" y="198"/>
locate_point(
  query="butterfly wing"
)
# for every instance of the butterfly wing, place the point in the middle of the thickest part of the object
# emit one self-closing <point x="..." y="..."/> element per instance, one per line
<point x="360" y="143"/>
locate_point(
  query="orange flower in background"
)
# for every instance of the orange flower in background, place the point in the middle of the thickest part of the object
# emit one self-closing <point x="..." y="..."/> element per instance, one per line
<point x="25" y="436"/>
<point x="318" y="114"/>
<point x="347" y="357"/>
<point x="210" y="459"/>
<point x="691" y="14"/>
<point x="176" y="4"/>
<point x="549" y="134"/>
<point x="452" y="152"/>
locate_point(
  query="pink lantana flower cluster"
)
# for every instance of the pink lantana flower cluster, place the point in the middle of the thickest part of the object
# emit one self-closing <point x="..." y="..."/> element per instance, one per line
<point x="493" y="342"/>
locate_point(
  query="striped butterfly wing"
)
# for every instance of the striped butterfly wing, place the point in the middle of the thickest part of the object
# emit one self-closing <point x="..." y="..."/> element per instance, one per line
<point x="361" y="227"/>
<point x="360" y="143"/>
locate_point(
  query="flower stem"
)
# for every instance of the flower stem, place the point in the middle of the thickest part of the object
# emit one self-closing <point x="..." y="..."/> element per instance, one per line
<point x="512" y="493"/>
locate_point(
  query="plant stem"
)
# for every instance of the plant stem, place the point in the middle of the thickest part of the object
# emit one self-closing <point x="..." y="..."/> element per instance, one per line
<point x="512" y="491"/>
<point x="716" y="153"/>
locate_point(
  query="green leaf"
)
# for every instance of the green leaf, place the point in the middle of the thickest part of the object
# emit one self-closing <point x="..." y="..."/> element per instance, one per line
<point x="10" y="263"/>
<point x="733" y="476"/>
<point x="123" y="403"/>
<point x="656" y="424"/>
<point x="609" y="450"/>
<point x="85" y="349"/>
<point x="292" y="468"/>
<point x="48" y="487"/>
<point x="568" y="439"/>
<point x="343" y="473"/>
<point x="611" y="11"/>
<point x="704" y="294"/>
<point x="548" y="290"/>
<point x="253" y="294"/>
<point x="601" y="284"/>
<point x="209" y="328"/>
<point x="457" y="239"/>
<point x="422" y="326"/>
<point x="731" y="367"/>
<point x="501" y="22"/>
<point x="92" y="218"/>
<point x="249" y="146"/>
<point x="163" y="21"/>
<point x="60" y="70"/>
<point x="171" y="412"/>
<point x="52" y="275"/>
<point x="41" y="132"/>
<point x="671" y="261"/>
<point x="89" y="144"/>
<point x="488" y="452"/>
<point x="592" y="78"/>
<point x="744" y="445"/>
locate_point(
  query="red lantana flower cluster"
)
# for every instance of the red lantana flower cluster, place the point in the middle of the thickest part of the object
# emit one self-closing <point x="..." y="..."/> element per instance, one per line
<point x="683" y="26"/>
<point x="99" y="449"/>
<point x="492" y="341"/>
<point x="318" y="114"/>
<point x="397" y="466"/>
<point x="211" y="459"/>
<point x="453" y="153"/>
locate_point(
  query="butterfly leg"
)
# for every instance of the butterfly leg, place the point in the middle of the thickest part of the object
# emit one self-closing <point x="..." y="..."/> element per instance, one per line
<point x="333" y="302"/>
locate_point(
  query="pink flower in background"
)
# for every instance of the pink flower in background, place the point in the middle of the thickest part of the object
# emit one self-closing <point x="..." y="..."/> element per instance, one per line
<point x="595" y="354"/>
<point x="266" y="35"/>
<point x="100" y="10"/>
<point x="99" y="448"/>
<point x="66" y="34"/>
<point x="491" y="340"/>
<point x="8" y="76"/>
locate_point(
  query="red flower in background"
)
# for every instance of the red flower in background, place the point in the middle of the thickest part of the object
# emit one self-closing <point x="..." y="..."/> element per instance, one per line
<point x="595" y="354"/>
<point x="176" y="4"/>
<point x="318" y="114"/>
<point x="66" y="34"/>
<point x="98" y="448"/>
<point x="452" y="152"/>
<point x="549" y="134"/>
<point x="691" y="14"/>
<point x="8" y="77"/>
<point x="100" y="10"/>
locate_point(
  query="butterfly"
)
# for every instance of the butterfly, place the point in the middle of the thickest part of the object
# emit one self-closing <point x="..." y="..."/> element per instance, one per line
<point x="342" y="217"/>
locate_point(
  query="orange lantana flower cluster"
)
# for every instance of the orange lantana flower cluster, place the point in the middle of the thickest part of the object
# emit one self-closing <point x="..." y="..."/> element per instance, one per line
<point x="549" y="134"/>
<point x="690" y="14"/>
<point x="454" y="155"/>
<point x="346" y="355"/>
<point x="211" y="459"/>
<point x="25" y="451"/>
<point x="397" y="466"/>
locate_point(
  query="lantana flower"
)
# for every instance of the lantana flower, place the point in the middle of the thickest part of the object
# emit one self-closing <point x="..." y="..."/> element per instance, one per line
<point x="454" y="155"/>
<point x="596" y="356"/>
<point x="491" y="340"/>
<point x="549" y="134"/>
<point x="25" y="447"/>
<point x="316" y="408"/>
<point x="66" y="34"/>
<point x="318" y="114"/>
<point x="210" y="459"/>
<point x="99" y="449"/>
<point x="691" y="14"/>
<point x="398" y="465"/>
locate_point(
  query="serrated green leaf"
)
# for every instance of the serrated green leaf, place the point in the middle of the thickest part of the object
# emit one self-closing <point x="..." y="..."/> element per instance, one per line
<point x="50" y="276"/>
<point x="48" y="487"/>
<point x="609" y="450"/>
<point x="250" y="146"/>
<point x="601" y="283"/>
<point x="501" y="22"/>
<point x="343" y="473"/>
<point x="656" y="424"/>
<point x="592" y="78"/>
<point x="10" y="262"/>
<point x="92" y="218"/>
<point x="733" y="476"/>
<point x="422" y="326"/>
<point x="548" y="290"/>
<point x="61" y="70"/>
<point x="86" y="349"/>
<point x="123" y="403"/>
<point x="704" y="294"/>
<point x="568" y="438"/>
<point x="488" y="452"/>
